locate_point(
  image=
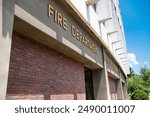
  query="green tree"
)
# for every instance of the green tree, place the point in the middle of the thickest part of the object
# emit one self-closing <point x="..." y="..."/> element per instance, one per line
<point x="134" y="83"/>
<point x="139" y="95"/>
<point x="145" y="73"/>
<point x="139" y="82"/>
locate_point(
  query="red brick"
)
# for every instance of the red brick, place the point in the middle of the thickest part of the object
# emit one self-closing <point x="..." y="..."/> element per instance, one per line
<point x="36" y="70"/>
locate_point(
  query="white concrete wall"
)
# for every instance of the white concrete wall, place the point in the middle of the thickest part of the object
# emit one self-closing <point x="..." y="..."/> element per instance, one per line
<point x="110" y="26"/>
<point x="103" y="10"/>
<point x="81" y="6"/>
<point x="110" y="43"/>
<point x="93" y="20"/>
<point x="104" y="34"/>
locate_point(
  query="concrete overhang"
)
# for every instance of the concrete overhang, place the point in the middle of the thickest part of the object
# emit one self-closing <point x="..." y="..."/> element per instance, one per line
<point x="104" y="19"/>
<point x="122" y="53"/>
<point x="112" y="32"/>
<point x="119" y="48"/>
<point x="114" y="42"/>
<point x="90" y="2"/>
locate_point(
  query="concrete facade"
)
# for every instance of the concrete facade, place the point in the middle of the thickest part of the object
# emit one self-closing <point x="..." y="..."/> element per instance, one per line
<point x="93" y="40"/>
<point x="6" y="27"/>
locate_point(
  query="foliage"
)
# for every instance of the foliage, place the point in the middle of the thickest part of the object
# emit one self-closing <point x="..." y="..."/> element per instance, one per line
<point x="145" y="74"/>
<point x="134" y="83"/>
<point x="139" y="82"/>
<point x="139" y="95"/>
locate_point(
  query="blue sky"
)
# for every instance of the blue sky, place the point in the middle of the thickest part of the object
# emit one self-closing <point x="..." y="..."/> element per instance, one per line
<point x="136" y="20"/>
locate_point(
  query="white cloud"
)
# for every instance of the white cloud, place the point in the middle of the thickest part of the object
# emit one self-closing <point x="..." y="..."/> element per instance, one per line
<point x="132" y="59"/>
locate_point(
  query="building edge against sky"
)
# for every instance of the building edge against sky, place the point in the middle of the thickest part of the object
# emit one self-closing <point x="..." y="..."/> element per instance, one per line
<point x="66" y="49"/>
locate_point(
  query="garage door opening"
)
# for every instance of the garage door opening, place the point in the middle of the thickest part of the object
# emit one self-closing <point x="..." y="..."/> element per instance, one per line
<point x="113" y="88"/>
<point x="89" y="84"/>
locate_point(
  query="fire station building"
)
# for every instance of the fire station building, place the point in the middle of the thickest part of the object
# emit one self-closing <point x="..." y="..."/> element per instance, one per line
<point x="62" y="50"/>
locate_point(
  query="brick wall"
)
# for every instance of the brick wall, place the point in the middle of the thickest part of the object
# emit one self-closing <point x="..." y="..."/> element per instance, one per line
<point x="38" y="72"/>
<point x="113" y="88"/>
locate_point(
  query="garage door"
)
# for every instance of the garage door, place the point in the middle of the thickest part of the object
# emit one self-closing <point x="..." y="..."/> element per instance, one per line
<point x="113" y="88"/>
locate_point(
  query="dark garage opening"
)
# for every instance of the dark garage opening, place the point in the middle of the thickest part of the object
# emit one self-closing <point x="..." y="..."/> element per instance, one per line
<point x="89" y="84"/>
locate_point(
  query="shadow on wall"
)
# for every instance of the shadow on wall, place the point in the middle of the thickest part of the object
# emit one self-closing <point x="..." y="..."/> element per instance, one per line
<point x="38" y="72"/>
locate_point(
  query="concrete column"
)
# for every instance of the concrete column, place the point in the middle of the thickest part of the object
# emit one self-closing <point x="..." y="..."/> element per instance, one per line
<point x="120" y="95"/>
<point x="6" y="27"/>
<point x="101" y="83"/>
<point x="125" y="92"/>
